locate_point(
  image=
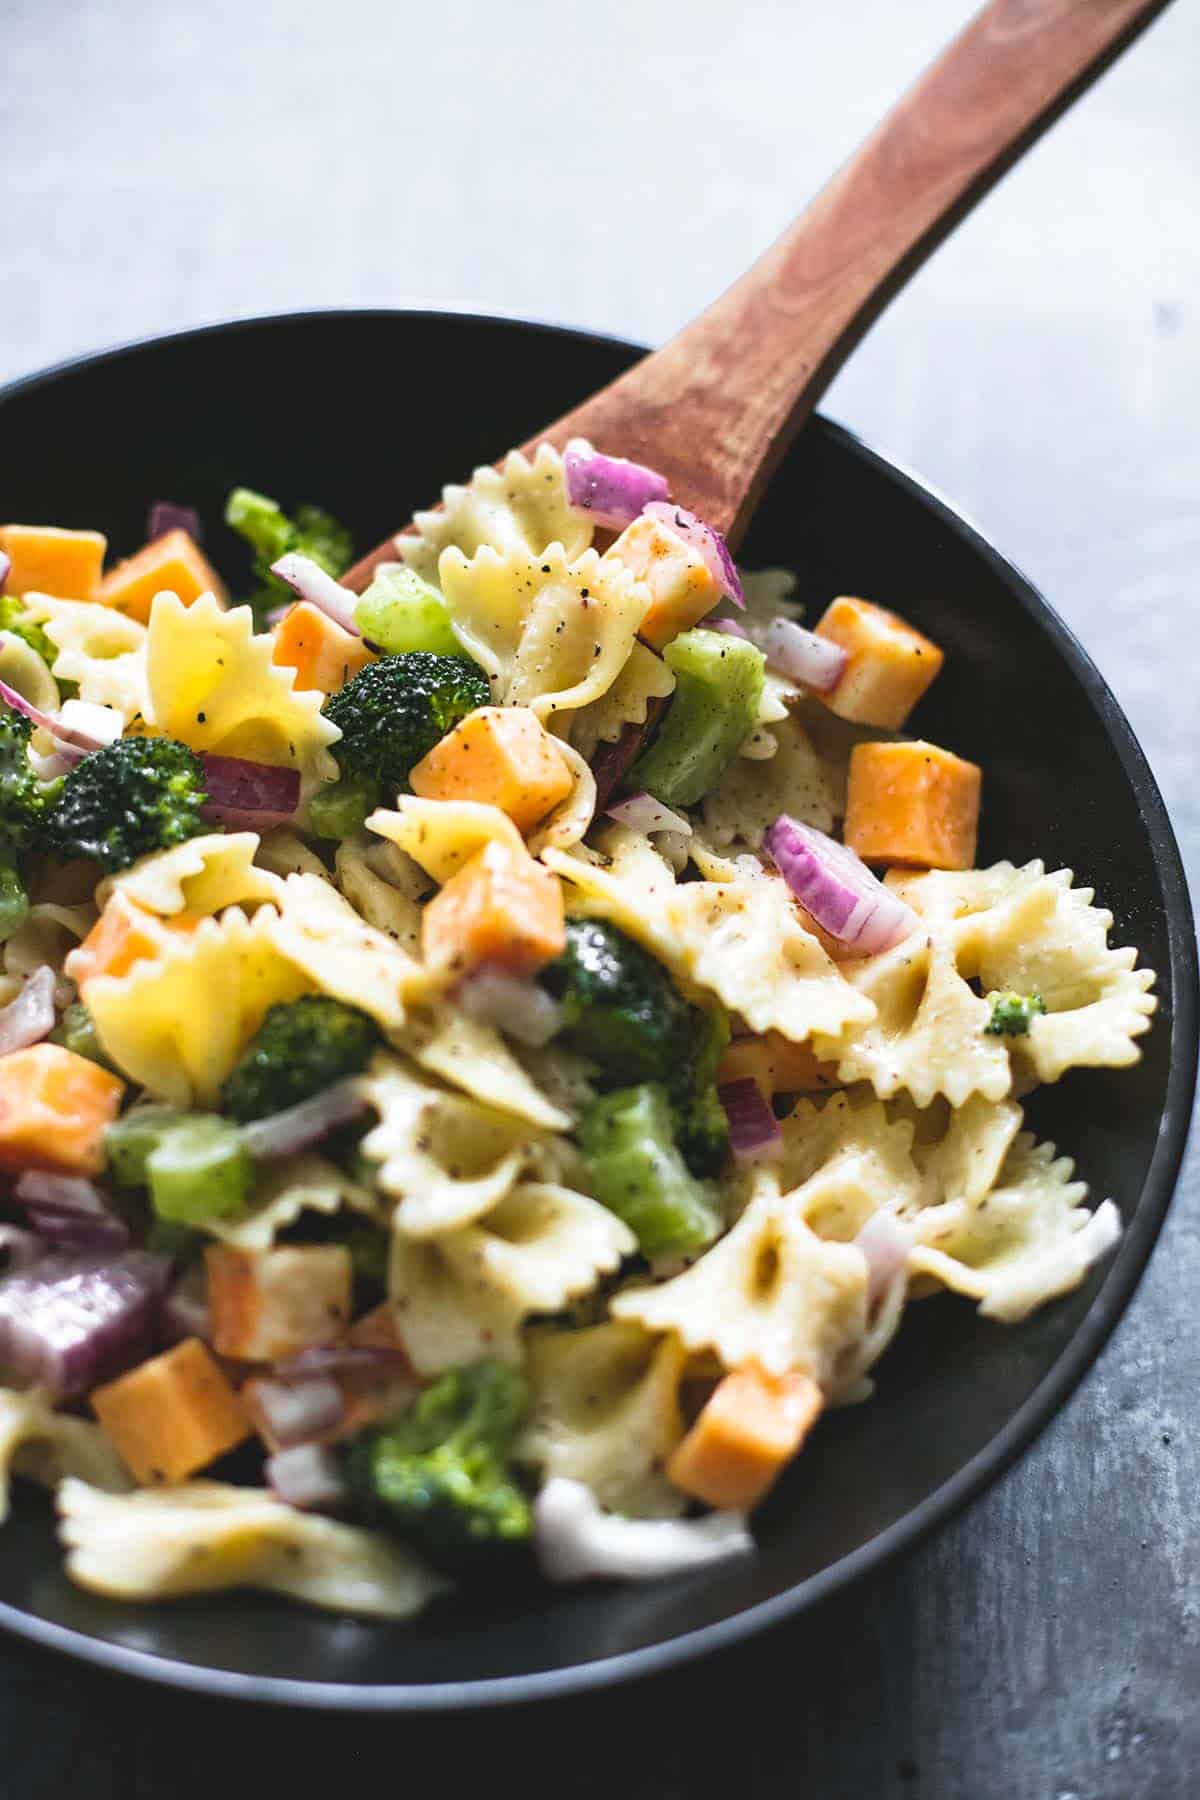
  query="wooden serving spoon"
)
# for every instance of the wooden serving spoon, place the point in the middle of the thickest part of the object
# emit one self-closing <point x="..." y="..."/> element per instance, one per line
<point x="715" y="409"/>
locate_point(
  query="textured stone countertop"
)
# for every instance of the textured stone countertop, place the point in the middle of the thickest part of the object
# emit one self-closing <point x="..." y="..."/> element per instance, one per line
<point x="614" y="166"/>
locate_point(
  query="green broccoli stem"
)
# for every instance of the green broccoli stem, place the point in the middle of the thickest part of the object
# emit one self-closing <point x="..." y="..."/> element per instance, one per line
<point x="634" y="1168"/>
<point x="339" y="810"/>
<point x="400" y="612"/>
<point x="718" y="689"/>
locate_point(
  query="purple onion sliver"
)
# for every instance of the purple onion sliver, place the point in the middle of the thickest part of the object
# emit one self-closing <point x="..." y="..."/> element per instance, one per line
<point x="753" y="1128"/>
<point x="885" y="1244"/>
<point x="283" y="1133"/>
<point x="836" y="888"/>
<point x="802" y="655"/>
<point x="5" y="568"/>
<point x="730" y="627"/>
<point x="296" y="1412"/>
<point x="31" y="1016"/>
<point x="308" y="1477"/>
<point x="340" y="1359"/>
<point x="252" y="796"/>
<point x="75" y="1231"/>
<point x="309" y="580"/>
<point x="613" y="490"/>
<point x="642" y="812"/>
<point x="513" y="1003"/>
<point x="73" y="1321"/>
<point x="165" y="516"/>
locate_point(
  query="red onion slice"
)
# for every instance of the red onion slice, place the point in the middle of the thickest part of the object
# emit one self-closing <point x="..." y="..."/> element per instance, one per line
<point x="575" y="1540"/>
<point x="165" y="516"/>
<point x="250" y="796"/>
<point x="512" y="1004"/>
<point x="70" y="743"/>
<point x="31" y="1016"/>
<point x="296" y="1412"/>
<point x="5" y="568"/>
<point x="885" y="1244"/>
<point x="753" y="1128"/>
<point x="70" y="1212"/>
<point x="730" y="627"/>
<point x="642" y="812"/>
<point x="837" y="889"/>
<point x="802" y="655"/>
<point x="309" y="580"/>
<point x="613" y="490"/>
<point x="283" y="1133"/>
<point x="341" y="1359"/>
<point x="309" y="1478"/>
<point x="72" y="1321"/>
<point x="707" y="541"/>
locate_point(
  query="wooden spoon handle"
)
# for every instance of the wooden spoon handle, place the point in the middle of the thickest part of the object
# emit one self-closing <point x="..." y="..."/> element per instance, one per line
<point x="718" y="405"/>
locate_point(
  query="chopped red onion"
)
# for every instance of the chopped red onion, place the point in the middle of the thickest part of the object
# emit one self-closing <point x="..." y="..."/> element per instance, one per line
<point x="730" y="627"/>
<point x="802" y="655"/>
<point x="283" y="1133"/>
<point x="837" y="889"/>
<point x="72" y="1321"/>
<point x="30" y="1017"/>
<point x="5" y="568"/>
<point x="753" y="1128"/>
<point x="308" y="1477"/>
<point x="885" y="1244"/>
<point x="69" y="1212"/>
<point x="185" y="1309"/>
<point x="296" y="1412"/>
<point x="611" y="762"/>
<point x="642" y="812"/>
<point x="613" y="490"/>
<point x="341" y="1359"/>
<point x="575" y="1539"/>
<point x="70" y="743"/>
<point x="513" y="1004"/>
<point x="707" y="541"/>
<point x="309" y="580"/>
<point x="250" y="796"/>
<point x="165" y="516"/>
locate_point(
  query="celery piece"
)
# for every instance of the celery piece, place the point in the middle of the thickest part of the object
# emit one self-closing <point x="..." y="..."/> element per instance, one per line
<point x="718" y="687"/>
<point x="338" y="811"/>
<point x="14" y="901"/>
<point x="200" y="1169"/>
<point x="130" y="1140"/>
<point x="76" y="1031"/>
<point x="636" y="1171"/>
<point x="400" y="612"/>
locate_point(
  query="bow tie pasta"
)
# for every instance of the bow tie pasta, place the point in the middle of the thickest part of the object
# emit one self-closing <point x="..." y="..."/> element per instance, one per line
<point x="506" y="1046"/>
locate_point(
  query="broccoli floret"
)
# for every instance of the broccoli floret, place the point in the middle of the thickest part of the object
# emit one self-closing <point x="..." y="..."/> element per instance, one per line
<point x="635" y="1169"/>
<point x="271" y="534"/>
<point x="438" y="1475"/>
<point x="25" y="802"/>
<point x="132" y="797"/>
<point x="302" y="1047"/>
<point x="1012" y="1013"/>
<point x="622" y="1010"/>
<point x="396" y="709"/>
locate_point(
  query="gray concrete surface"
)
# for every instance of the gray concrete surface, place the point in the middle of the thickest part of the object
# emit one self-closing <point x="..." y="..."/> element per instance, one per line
<point x="613" y="166"/>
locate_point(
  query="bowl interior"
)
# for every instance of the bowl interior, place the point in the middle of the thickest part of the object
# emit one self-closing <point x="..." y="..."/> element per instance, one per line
<point x="367" y="414"/>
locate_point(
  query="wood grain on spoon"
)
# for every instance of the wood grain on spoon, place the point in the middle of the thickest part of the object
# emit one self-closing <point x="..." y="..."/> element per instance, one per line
<point x="716" y="408"/>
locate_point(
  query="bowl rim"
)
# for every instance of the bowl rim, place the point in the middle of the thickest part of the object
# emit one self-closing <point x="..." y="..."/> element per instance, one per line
<point x="1031" y="1418"/>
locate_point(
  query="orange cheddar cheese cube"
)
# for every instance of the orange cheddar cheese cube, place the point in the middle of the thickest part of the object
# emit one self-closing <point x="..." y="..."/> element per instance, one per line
<point x="264" y="1304"/>
<point x="913" y="803"/>
<point x="501" y="907"/>
<point x="501" y="755"/>
<point x="888" y="668"/>
<point x="683" y="589"/>
<point x="752" y="1426"/>
<point x="123" y="935"/>
<point x="323" y="653"/>
<point x="172" y="1416"/>
<point x="173" y="562"/>
<point x="48" y="560"/>
<point x="777" y="1065"/>
<point x="55" y="1108"/>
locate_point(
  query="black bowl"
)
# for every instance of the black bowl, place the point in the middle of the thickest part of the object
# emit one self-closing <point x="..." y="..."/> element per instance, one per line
<point x="367" y="414"/>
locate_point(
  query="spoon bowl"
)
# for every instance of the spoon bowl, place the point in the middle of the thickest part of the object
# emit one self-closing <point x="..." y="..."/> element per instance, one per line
<point x="278" y="403"/>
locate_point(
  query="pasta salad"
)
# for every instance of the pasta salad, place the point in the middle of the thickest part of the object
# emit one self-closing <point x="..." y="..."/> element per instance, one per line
<point x="486" y="1062"/>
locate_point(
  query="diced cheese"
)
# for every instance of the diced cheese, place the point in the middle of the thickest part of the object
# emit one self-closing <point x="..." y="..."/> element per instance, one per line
<point x="752" y="1426"/>
<point x="49" y="560"/>
<point x="502" y="907"/>
<point x="777" y="1065"/>
<point x="889" y="664"/>
<point x="913" y="803"/>
<point x="173" y="563"/>
<point x="172" y="1416"/>
<point x="502" y="756"/>
<point x="55" y="1108"/>
<point x="323" y="653"/>
<point x="683" y="588"/>
<point x="266" y="1304"/>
